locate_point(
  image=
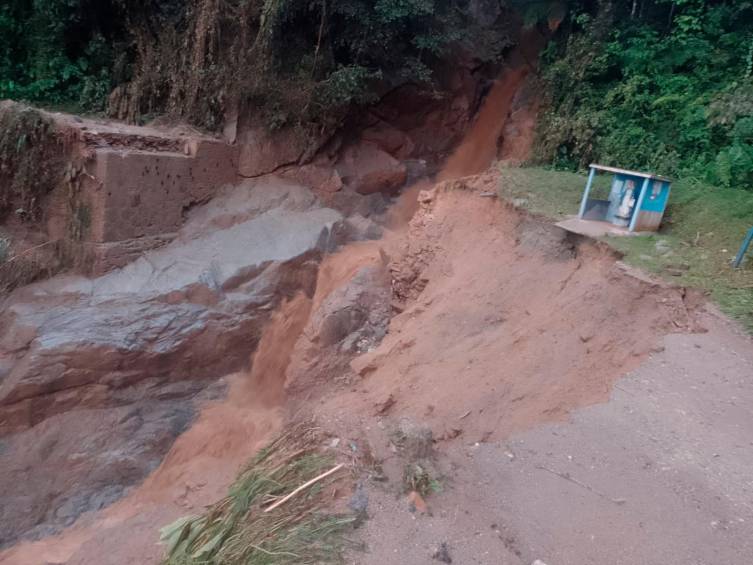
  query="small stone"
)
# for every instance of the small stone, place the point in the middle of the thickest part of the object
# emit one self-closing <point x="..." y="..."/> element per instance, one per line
<point x="416" y="503"/>
<point x="442" y="553"/>
<point x="359" y="502"/>
<point x="384" y="406"/>
<point x="538" y="562"/>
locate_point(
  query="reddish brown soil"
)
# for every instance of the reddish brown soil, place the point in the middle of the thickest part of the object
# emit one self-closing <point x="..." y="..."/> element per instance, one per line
<point x="479" y="147"/>
<point x="508" y="322"/>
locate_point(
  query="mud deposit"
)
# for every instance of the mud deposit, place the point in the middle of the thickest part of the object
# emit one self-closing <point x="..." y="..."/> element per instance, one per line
<point x="507" y="320"/>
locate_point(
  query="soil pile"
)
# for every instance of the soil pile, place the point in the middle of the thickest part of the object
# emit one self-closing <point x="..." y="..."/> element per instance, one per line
<point x="506" y="320"/>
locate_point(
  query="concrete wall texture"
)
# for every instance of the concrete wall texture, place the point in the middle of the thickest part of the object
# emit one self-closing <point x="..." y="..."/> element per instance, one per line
<point x="135" y="200"/>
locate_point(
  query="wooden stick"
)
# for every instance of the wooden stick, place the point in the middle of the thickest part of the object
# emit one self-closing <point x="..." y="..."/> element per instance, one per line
<point x="305" y="486"/>
<point x="27" y="251"/>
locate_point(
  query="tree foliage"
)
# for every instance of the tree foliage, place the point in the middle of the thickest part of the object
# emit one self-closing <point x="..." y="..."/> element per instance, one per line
<point x="296" y="60"/>
<point x="57" y="51"/>
<point x="659" y="84"/>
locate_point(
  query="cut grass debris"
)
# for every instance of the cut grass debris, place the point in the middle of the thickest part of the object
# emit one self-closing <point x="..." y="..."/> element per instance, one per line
<point x="700" y="235"/>
<point x="237" y="530"/>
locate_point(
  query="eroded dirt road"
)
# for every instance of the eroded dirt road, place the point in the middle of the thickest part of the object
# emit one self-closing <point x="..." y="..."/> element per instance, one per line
<point x="584" y="414"/>
<point x="658" y="475"/>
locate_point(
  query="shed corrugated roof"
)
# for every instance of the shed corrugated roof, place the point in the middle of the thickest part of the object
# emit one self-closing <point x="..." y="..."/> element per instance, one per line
<point x="629" y="172"/>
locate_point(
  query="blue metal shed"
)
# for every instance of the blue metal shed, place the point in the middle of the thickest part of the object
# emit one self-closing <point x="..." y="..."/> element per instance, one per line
<point x="636" y="201"/>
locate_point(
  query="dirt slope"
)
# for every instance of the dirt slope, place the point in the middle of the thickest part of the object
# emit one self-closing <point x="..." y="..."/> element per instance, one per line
<point x="507" y="317"/>
<point x="511" y="347"/>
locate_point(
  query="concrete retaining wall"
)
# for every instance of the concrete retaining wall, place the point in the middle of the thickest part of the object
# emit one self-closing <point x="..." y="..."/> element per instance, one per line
<point x="121" y="202"/>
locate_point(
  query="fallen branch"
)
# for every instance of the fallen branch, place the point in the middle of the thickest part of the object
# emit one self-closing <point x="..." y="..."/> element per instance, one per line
<point x="274" y="553"/>
<point x="304" y="487"/>
<point x="27" y="251"/>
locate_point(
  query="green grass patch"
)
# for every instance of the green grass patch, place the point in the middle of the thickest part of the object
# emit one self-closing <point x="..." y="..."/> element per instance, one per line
<point x="702" y="230"/>
<point x="237" y="530"/>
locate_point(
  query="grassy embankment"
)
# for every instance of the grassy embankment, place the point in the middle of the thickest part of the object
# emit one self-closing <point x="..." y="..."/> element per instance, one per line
<point x="701" y="233"/>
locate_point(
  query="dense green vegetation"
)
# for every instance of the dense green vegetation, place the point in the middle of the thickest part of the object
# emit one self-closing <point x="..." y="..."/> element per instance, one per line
<point x="662" y="85"/>
<point x="58" y="52"/>
<point x="665" y="85"/>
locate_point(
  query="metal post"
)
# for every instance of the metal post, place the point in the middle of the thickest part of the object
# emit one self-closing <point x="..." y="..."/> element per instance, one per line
<point x="586" y="193"/>
<point x="743" y="248"/>
<point x="637" y="210"/>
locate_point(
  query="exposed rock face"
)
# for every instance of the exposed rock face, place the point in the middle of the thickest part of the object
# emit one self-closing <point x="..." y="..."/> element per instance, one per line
<point x="390" y="139"/>
<point x="351" y="314"/>
<point x="432" y="127"/>
<point x="354" y="316"/>
<point x="263" y="152"/>
<point x="99" y="376"/>
<point x="82" y="460"/>
<point x="191" y="310"/>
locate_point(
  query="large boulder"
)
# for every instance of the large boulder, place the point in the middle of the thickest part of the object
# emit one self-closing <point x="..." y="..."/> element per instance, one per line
<point x="320" y="175"/>
<point x="367" y="169"/>
<point x="351" y="314"/>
